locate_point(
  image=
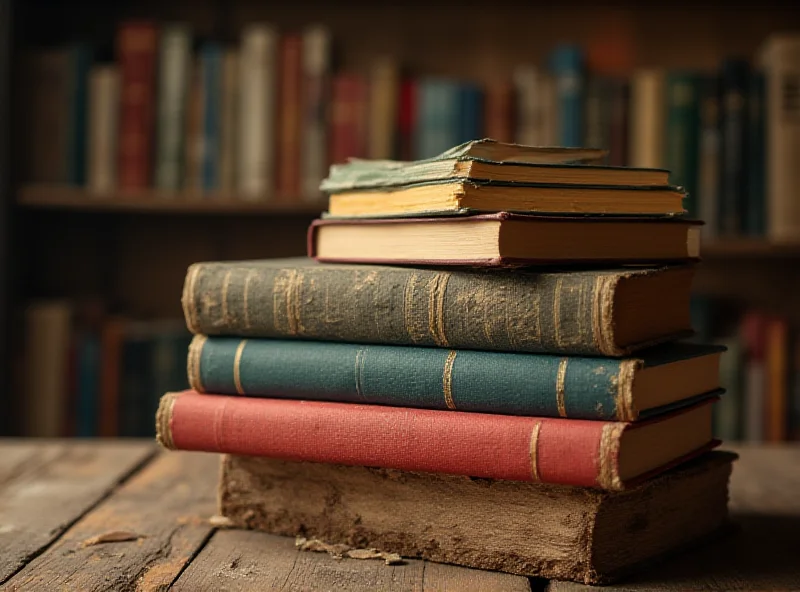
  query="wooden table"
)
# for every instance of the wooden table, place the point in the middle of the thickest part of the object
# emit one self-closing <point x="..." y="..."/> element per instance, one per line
<point x="112" y="515"/>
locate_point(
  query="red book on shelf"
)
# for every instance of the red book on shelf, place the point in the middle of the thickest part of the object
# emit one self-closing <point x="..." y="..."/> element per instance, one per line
<point x="605" y="455"/>
<point x="291" y="110"/>
<point x="137" y="47"/>
<point x="348" y="117"/>
<point x="406" y="115"/>
<point x="500" y="111"/>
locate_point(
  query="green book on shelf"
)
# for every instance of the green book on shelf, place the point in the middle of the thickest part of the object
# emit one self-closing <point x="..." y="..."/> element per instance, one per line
<point x="578" y="387"/>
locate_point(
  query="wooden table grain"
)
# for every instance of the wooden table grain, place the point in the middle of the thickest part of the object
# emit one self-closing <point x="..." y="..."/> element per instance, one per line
<point x="122" y="515"/>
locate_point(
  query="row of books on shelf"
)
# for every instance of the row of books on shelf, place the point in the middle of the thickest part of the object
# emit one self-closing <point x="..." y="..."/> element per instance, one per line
<point x="760" y="373"/>
<point x="85" y="376"/>
<point x="265" y="119"/>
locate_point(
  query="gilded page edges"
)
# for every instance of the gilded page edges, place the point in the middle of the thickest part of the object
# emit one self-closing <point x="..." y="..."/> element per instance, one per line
<point x="188" y="298"/>
<point x="608" y="461"/>
<point x="436" y="309"/>
<point x="623" y="400"/>
<point x="193" y="362"/>
<point x="164" y="420"/>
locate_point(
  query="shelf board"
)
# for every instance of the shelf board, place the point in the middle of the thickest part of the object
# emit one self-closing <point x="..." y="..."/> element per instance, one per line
<point x="748" y="248"/>
<point x="59" y="197"/>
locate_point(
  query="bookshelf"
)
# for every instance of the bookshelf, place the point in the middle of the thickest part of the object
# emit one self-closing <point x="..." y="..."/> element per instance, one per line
<point x="132" y="249"/>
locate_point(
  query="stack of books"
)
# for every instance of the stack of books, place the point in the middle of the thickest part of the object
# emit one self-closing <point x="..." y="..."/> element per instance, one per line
<point x="474" y="403"/>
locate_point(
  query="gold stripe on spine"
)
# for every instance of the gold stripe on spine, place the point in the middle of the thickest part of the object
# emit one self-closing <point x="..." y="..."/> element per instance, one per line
<point x="438" y="286"/>
<point x="246" y="310"/>
<point x="237" y="361"/>
<point x="189" y="306"/>
<point x="560" y="379"/>
<point x="447" y="379"/>
<point x="534" y="451"/>
<point x="602" y="315"/>
<point x="623" y="399"/>
<point x="226" y="283"/>
<point x="607" y="473"/>
<point x="193" y="362"/>
<point x="359" y="370"/>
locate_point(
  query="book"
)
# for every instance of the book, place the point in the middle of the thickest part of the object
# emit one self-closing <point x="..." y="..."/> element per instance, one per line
<point x="290" y="120"/>
<point x="733" y="168"/>
<point x="348" y="120"/>
<point x="599" y="454"/>
<point x="437" y="125"/>
<point x="682" y="134"/>
<point x="610" y="312"/>
<point x="567" y="68"/>
<point x="316" y="54"/>
<point x="547" y="531"/>
<point x="459" y="197"/>
<point x="437" y="378"/>
<point x="648" y="118"/>
<point x="174" y="72"/>
<point x="211" y="64"/>
<point x="102" y="129"/>
<point x="137" y="51"/>
<point x="504" y="239"/>
<point x="483" y="156"/>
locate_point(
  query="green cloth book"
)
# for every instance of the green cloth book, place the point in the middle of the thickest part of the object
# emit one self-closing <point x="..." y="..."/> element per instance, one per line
<point x="487" y="160"/>
<point x="489" y="382"/>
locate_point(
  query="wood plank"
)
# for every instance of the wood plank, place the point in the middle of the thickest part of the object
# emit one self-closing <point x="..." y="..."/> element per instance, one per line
<point x="761" y="552"/>
<point x="46" y="486"/>
<point x="163" y="510"/>
<point x="248" y="561"/>
<point x="152" y="202"/>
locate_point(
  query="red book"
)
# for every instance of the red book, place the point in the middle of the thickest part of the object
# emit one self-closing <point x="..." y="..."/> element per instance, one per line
<point x="605" y="455"/>
<point x="291" y="110"/>
<point x="348" y="117"/>
<point x="500" y="111"/>
<point x="137" y="53"/>
<point x="406" y="116"/>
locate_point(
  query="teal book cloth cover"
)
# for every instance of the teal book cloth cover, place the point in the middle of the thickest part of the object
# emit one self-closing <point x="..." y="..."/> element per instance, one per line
<point x="80" y="60"/>
<point x="432" y="378"/>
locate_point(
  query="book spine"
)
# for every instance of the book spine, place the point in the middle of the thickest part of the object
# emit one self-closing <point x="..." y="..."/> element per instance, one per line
<point x="647" y="119"/>
<point x="88" y="383"/>
<point x="429" y="378"/>
<point x="212" y="107"/>
<point x="682" y="136"/>
<point x="733" y="167"/>
<point x="193" y="146"/>
<point x="544" y="313"/>
<point x="619" y="125"/>
<point x="80" y="59"/>
<point x="229" y="114"/>
<point x="103" y="129"/>
<point x="755" y="217"/>
<point x="173" y="84"/>
<point x="290" y="120"/>
<point x="257" y="119"/>
<point x="528" y="107"/>
<point x="316" y="77"/>
<point x="470" y="113"/>
<point x="499" y="111"/>
<point x="348" y="112"/>
<point x="137" y="49"/>
<point x="781" y="60"/>
<point x="567" y="452"/>
<point x="384" y="81"/>
<point x="597" y="119"/>
<point x="567" y="68"/>
<point x="406" y="119"/>
<point x="708" y="156"/>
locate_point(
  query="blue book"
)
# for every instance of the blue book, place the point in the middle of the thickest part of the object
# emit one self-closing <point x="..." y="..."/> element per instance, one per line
<point x="470" y="113"/>
<point x="438" y="121"/>
<point x="734" y="76"/>
<point x="211" y="66"/>
<point x="79" y="62"/>
<point x="88" y="378"/>
<point x="566" y="65"/>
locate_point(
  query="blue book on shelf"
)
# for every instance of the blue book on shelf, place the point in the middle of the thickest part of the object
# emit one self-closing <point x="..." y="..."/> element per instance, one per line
<point x="88" y="378"/>
<point x="211" y="66"/>
<point x="80" y="60"/>
<point x="438" y="121"/>
<point x="566" y="65"/>
<point x="734" y="76"/>
<point x="470" y="113"/>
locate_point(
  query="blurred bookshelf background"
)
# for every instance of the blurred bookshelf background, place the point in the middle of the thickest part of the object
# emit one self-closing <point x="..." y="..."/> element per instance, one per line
<point x="143" y="136"/>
